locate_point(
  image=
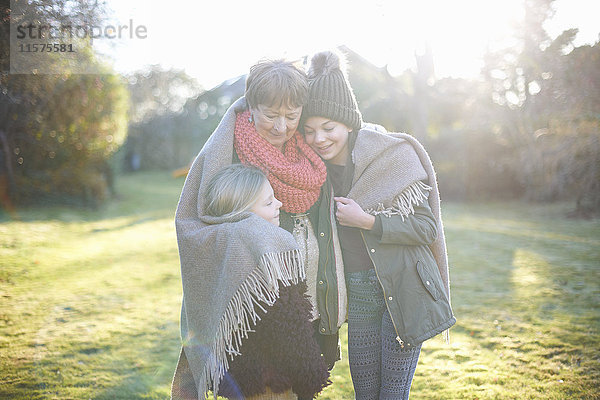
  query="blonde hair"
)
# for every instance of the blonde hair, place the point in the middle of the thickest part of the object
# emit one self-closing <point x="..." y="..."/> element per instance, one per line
<point x="276" y="83"/>
<point x="233" y="190"/>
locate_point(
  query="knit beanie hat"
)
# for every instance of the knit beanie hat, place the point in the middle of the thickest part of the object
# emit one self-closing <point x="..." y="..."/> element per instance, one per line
<point x="329" y="92"/>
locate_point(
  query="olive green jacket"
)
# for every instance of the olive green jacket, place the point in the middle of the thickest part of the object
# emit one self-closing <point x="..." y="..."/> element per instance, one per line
<point x="394" y="179"/>
<point x="414" y="292"/>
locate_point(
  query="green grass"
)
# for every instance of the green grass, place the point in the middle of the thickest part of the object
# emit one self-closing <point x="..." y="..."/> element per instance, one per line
<point x="89" y="302"/>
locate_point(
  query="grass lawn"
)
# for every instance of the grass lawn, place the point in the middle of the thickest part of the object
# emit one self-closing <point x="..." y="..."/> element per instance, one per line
<point x="89" y="302"/>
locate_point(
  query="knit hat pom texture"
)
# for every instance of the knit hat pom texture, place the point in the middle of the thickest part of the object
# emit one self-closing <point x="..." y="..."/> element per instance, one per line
<point x="330" y="94"/>
<point x="324" y="63"/>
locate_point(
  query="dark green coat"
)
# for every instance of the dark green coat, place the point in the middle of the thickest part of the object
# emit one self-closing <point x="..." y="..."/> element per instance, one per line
<point x="327" y="281"/>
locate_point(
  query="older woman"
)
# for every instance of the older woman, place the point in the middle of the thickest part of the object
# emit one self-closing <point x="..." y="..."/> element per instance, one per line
<point x="260" y="129"/>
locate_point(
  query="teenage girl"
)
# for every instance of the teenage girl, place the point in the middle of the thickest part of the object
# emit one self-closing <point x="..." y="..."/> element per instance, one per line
<point x="390" y="231"/>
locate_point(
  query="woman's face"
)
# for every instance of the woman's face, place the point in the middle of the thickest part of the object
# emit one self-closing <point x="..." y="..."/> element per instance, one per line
<point x="267" y="206"/>
<point x="329" y="139"/>
<point x="276" y="125"/>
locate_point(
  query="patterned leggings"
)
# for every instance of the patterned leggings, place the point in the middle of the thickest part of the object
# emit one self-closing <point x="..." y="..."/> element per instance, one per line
<point x="379" y="367"/>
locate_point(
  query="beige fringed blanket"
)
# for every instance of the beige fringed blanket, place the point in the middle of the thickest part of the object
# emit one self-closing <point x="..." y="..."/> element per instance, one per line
<point x="389" y="170"/>
<point x="227" y="268"/>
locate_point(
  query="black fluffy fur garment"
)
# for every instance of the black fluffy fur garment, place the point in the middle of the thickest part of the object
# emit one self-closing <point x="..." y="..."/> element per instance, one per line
<point x="281" y="354"/>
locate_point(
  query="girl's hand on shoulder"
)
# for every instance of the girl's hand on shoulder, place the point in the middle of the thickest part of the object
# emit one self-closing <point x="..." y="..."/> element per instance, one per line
<point x="350" y="214"/>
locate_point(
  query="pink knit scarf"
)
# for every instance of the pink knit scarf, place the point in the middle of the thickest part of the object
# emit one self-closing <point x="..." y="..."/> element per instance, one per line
<point x="296" y="175"/>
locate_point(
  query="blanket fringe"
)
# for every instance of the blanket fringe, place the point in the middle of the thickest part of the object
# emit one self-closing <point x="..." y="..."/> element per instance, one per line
<point x="403" y="205"/>
<point x="446" y="336"/>
<point x="241" y="315"/>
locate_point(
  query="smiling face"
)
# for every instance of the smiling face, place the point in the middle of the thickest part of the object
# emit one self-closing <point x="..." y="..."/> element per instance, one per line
<point x="266" y="205"/>
<point x="276" y="124"/>
<point x="329" y="139"/>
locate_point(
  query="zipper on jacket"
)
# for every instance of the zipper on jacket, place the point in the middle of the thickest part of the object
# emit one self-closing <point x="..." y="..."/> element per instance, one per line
<point x="398" y="338"/>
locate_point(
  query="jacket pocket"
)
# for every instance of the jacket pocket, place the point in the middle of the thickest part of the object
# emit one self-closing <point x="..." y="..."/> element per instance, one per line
<point x="428" y="280"/>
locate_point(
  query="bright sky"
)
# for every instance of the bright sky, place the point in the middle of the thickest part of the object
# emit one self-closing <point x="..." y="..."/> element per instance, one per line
<point x="217" y="40"/>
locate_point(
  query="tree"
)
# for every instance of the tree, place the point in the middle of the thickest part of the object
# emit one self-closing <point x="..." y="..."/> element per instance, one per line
<point x="155" y="92"/>
<point x="158" y="134"/>
<point x="58" y="131"/>
<point x="544" y="106"/>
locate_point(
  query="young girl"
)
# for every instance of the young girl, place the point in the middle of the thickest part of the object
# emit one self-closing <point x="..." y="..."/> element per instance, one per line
<point x="246" y="319"/>
<point x="390" y="232"/>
